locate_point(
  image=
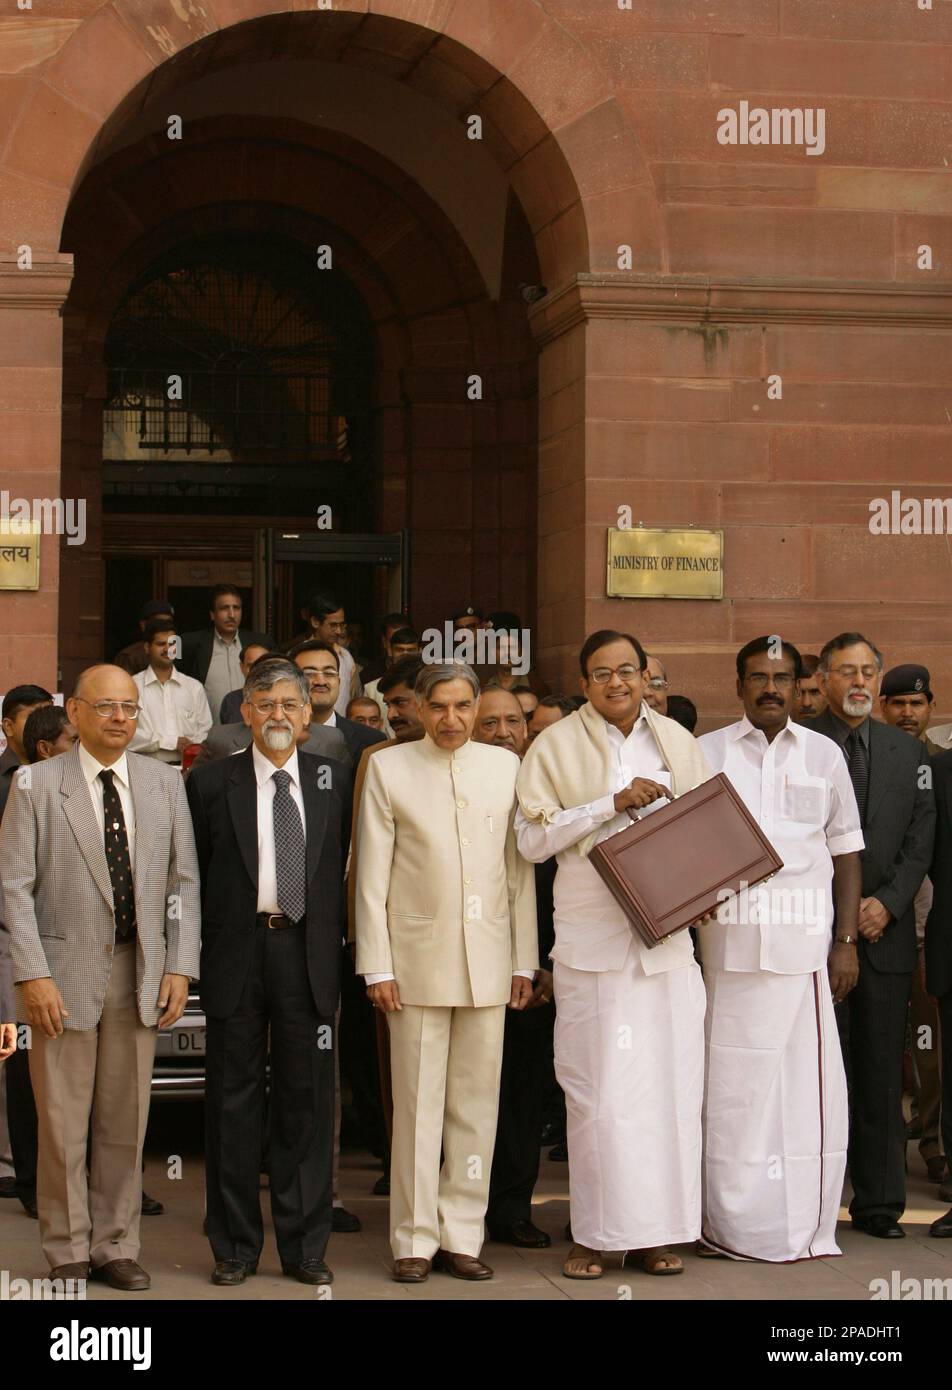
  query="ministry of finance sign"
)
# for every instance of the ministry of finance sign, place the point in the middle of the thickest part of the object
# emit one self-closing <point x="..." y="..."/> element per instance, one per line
<point x="665" y="563"/>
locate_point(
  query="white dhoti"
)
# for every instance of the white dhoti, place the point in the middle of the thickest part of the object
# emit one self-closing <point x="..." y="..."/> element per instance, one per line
<point x="629" y="1055"/>
<point x="775" y="1116"/>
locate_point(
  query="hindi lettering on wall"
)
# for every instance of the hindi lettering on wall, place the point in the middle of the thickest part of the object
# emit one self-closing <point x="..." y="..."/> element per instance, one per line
<point x="19" y="555"/>
<point x="665" y="563"/>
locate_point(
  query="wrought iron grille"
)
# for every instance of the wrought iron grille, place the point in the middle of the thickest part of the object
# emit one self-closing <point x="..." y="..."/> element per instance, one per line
<point x="242" y="348"/>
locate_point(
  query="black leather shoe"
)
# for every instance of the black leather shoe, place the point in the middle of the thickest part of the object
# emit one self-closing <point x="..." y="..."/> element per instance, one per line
<point x="381" y="1187"/>
<point x="945" y="1191"/>
<point x="559" y="1154"/>
<point x="520" y="1233"/>
<point x="8" y="1187"/>
<point x="344" y="1222"/>
<point x="151" y="1206"/>
<point x="309" y="1272"/>
<point x="943" y="1227"/>
<point x="884" y="1227"/>
<point x="233" y="1272"/>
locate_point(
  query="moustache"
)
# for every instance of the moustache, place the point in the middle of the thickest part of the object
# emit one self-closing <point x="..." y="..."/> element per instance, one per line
<point x="770" y="700"/>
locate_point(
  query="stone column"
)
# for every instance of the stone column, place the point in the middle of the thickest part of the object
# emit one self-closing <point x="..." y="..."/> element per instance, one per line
<point x="30" y="423"/>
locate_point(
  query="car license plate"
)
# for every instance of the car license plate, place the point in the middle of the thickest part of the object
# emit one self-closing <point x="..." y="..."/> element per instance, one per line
<point x="189" y="1040"/>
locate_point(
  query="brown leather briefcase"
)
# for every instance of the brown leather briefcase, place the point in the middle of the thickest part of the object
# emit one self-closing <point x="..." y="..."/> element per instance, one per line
<point x="673" y="866"/>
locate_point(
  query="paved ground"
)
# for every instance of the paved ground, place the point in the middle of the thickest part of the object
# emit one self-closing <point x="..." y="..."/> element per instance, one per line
<point x="178" y="1258"/>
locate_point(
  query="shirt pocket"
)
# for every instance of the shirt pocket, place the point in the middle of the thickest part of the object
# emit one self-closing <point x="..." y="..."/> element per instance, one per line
<point x="804" y="800"/>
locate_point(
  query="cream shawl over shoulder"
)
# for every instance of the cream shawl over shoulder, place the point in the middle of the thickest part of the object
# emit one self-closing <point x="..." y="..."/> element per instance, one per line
<point x="570" y="764"/>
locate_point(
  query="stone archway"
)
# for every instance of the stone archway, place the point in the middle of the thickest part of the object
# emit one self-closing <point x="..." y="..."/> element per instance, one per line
<point x="550" y="122"/>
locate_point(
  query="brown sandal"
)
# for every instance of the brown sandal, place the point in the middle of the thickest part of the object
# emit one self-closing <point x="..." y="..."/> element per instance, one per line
<point x="650" y="1260"/>
<point x="577" y="1254"/>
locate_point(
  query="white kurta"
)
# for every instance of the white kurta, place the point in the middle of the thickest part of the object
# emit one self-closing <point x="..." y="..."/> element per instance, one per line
<point x="775" y="1106"/>
<point x="629" y="1040"/>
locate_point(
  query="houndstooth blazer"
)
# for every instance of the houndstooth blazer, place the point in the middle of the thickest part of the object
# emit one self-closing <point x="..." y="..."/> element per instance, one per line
<point x="58" y="897"/>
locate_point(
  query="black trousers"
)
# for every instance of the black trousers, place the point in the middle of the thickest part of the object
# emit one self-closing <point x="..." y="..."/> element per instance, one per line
<point x="877" y="1007"/>
<point x="522" y="1097"/>
<point x="357" y="1035"/>
<point x="276" y="1001"/>
<point x="945" y="1032"/>
<point x="21" y="1121"/>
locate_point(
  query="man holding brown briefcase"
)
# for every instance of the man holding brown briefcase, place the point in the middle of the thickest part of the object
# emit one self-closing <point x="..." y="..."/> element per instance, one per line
<point x="629" y="1034"/>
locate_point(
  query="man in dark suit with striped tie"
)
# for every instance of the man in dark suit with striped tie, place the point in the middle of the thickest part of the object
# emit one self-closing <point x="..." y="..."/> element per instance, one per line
<point x="270" y="824"/>
<point x="891" y="778"/>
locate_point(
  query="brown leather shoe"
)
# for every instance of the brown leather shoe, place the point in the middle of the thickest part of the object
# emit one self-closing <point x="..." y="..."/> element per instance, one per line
<point x="123" y="1274"/>
<point x="461" y="1266"/>
<point x="80" y="1270"/>
<point x="413" y="1270"/>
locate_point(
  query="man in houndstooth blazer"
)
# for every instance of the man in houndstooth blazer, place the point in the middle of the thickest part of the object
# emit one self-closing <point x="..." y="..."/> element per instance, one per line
<point x="92" y="999"/>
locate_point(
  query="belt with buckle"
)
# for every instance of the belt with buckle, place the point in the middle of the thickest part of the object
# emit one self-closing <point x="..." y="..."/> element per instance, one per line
<point x="275" y="921"/>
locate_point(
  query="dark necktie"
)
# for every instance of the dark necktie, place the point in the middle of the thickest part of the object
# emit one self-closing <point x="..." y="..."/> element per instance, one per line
<point x="117" y="857"/>
<point x="288" y="849"/>
<point x="858" y="758"/>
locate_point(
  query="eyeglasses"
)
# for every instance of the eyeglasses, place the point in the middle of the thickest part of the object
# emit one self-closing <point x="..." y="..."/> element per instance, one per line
<point x="269" y="706"/>
<point x="656" y="683"/>
<point x="104" y="708"/>
<point x="314" y="673"/>
<point x="602" y="674"/>
<point x="849" y="672"/>
<point x="758" y="679"/>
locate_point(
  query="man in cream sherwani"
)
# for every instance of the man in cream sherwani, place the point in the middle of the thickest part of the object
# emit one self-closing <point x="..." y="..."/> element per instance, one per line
<point x="446" y="937"/>
<point x="629" y="1032"/>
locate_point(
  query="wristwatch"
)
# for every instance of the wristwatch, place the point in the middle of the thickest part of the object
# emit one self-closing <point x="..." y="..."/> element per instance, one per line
<point x="845" y="940"/>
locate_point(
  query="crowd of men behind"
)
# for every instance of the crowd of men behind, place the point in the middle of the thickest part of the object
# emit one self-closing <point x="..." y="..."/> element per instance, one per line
<point x="378" y="870"/>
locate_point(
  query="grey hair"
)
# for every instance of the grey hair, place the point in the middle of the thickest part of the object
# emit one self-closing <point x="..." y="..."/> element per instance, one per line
<point x="431" y="676"/>
<point x="847" y="639"/>
<point x="264" y="675"/>
<point x="651" y="657"/>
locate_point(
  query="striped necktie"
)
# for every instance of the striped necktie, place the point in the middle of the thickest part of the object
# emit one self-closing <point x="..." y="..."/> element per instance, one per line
<point x="858" y="759"/>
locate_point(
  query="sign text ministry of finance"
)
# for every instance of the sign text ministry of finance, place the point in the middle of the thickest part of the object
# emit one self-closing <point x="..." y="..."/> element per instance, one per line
<point x="665" y="563"/>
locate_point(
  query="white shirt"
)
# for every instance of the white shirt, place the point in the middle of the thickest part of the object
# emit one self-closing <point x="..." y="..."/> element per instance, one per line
<point x="372" y="691"/>
<point x="585" y="911"/>
<point x="91" y="770"/>
<point x="346" y="666"/>
<point x="798" y="790"/>
<point x="172" y="709"/>
<point x="224" y="671"/>
<point x="267" y="869"/>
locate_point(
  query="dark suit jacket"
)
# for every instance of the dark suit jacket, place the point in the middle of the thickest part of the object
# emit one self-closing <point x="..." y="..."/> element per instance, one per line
<point x="230" y="712"/>
<point x="197" y="649"/>
<point x="899" y="828"/>
<point x="939" y="925"/>
<point x="358" y="737"/>
<point x="9" y="762"/>
<point x="222" y="797"/>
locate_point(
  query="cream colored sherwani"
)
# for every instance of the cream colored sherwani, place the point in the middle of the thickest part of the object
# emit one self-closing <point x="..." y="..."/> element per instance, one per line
<point x="446" y="906"/>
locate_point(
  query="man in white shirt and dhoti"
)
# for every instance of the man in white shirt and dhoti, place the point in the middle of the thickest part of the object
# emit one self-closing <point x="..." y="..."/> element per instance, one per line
<point x="775" y="1109"/>
<point x="446" y="938"/>
<point x="629" y="1032"/>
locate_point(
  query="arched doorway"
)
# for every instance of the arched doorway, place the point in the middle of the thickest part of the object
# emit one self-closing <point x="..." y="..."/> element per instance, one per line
<point x="240" y="384"/>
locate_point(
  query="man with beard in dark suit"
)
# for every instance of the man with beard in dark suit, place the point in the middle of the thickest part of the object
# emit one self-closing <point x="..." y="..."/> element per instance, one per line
<point x="271" y="825"/>
<point x="890" y="775"/>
